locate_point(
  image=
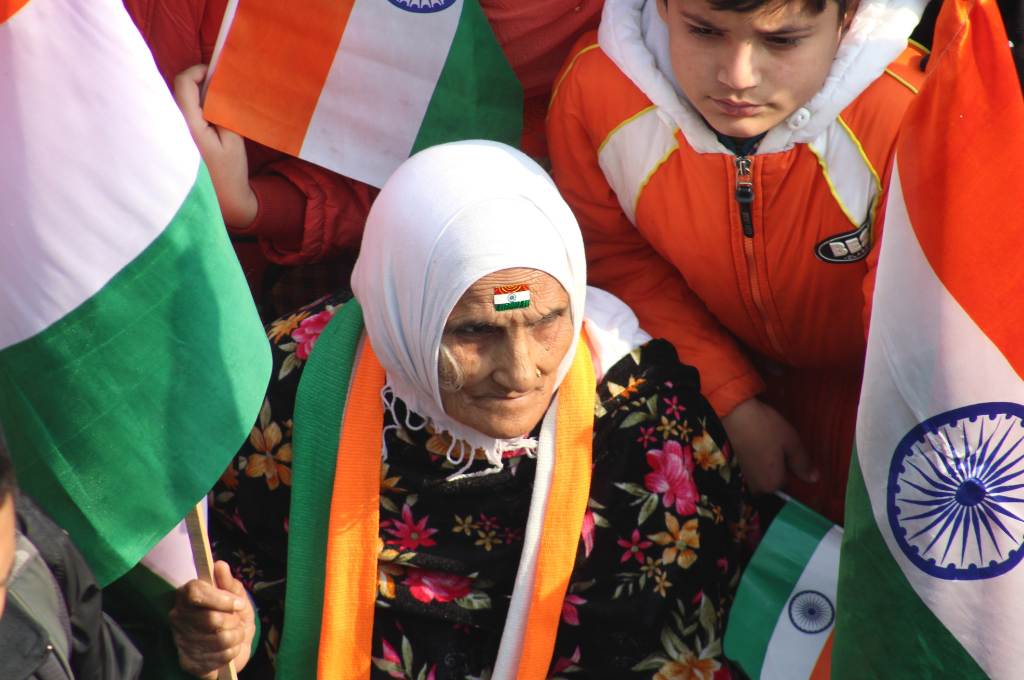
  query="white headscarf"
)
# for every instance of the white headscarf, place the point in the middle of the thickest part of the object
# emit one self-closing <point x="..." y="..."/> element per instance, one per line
<point x="447" y="217"/>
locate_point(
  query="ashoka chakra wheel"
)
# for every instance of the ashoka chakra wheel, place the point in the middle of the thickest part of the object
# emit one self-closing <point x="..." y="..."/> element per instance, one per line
<point x="955" y="497"/>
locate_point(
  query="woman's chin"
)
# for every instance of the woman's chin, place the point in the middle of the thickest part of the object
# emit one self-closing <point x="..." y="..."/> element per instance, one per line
<point x="505" y="425"/>
<point x="508" y="429"/>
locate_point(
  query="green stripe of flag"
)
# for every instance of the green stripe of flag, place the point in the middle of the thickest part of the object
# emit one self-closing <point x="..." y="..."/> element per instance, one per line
<point x="768" y="582"/>
<point x="477" y="95"/>
<point x="319" y="406"/>
<point x="915" y="643"/>
<point x="167" y="360"/>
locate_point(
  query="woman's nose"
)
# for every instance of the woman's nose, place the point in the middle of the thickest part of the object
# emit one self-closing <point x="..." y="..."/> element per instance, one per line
<point x="517" y="368"/>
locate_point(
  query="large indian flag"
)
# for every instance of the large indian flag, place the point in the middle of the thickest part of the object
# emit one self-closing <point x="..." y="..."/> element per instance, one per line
<point x="132" y="360"/>
<point x="931" y="582"/>
<point x="357" y="86"/>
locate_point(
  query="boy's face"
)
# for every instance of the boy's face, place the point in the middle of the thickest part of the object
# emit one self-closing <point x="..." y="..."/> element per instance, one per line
<point x="746" y="72"/>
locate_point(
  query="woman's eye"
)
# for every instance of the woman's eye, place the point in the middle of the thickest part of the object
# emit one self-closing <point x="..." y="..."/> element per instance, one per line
<point x="549" y="319"/>
<point x="475" y="330"/>
<point x="552" y="317"/>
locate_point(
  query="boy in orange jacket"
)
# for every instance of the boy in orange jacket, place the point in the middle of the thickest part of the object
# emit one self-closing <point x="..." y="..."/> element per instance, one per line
<point x="727" y="161"/>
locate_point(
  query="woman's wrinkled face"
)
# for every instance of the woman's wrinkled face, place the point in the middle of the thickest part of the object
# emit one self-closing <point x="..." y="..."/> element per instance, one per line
<point x="508" y="359"/>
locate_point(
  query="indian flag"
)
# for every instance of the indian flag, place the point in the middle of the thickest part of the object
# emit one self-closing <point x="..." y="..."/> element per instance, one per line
<point x="511" y="297"/>
<point x="930" y="580"/>
<point x="781" y="623"/>
<point x="132" y="360"/>
<point x="357" y="86"/>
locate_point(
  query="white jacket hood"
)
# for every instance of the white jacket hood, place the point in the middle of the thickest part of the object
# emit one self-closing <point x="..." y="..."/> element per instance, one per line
<point x="636" y="39"/>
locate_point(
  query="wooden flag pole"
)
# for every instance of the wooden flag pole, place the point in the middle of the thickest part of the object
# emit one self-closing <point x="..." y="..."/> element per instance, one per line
<point x="195" y="522"/>
<point x="222" y="35"/>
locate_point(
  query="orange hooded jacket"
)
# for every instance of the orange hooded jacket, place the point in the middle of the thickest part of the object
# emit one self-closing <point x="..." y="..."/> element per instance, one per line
<point x="764" y="296"/>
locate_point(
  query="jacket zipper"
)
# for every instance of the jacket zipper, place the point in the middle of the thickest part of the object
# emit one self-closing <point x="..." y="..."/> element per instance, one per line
<point x="745" y="199"/>
<point x="745" y="193"/>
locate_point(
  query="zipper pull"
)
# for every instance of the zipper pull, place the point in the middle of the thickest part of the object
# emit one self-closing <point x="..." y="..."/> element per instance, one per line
<point x="745" y="193"/>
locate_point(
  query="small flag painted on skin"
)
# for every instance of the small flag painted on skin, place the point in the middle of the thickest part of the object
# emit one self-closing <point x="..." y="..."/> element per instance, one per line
<point x="781" y="624"/>
<point x="511" y="297"/>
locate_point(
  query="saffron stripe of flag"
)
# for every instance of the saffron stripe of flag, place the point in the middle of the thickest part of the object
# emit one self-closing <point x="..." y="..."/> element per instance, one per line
<point x="132" y="360"/>
<point x="930" y="575"/>
<point x="357" y="86"/>
<point x="780" y="626"/>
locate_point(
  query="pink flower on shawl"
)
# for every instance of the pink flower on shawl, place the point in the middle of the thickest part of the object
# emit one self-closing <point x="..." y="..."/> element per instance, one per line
<point x="487" y="523"/>
<point x="410" y="534"/>
<point x="672" y="476"/>
<point x="392" y="656"/>
<point x="427" y="586"/>
<point x="646" y="435"/>
<point x="569" y="612"/>
<point x="588" y="532"/>
<point x="673" y="407"/>
<point x="308" y="331"/>
<point x="564" y="663"/>
<point x="634" y="547"/>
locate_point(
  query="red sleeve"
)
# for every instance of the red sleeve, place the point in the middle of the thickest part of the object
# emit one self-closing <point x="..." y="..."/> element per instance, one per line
<point x="306" y="213"/>
<point x="213" y="14"/>
<point x="621" y="260"/>
<point x="171" y="30"/>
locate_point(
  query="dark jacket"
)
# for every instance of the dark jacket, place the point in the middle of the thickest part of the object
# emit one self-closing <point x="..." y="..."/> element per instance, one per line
<point x="53" y="627"/>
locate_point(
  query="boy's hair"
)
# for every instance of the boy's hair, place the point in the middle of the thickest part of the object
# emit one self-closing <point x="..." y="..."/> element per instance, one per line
<point x="744" y="6"/>
<point x="8" y="483"/>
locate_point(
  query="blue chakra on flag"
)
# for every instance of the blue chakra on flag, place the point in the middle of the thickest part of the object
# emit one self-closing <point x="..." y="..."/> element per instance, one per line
<point x="422" y="6"/>
<point x="811" y="612"/>
<point x="955" y="498"/>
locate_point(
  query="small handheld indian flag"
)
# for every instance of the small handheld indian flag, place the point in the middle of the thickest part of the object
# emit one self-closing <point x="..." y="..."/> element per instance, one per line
<point x="357" y="86"/>
<point x="511" y="297"/>
<point x="780" y="627"/>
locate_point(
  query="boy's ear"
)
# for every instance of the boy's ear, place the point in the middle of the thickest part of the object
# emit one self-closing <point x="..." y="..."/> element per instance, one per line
<point x="662" y="9"/>
<point x="851" y="10"/>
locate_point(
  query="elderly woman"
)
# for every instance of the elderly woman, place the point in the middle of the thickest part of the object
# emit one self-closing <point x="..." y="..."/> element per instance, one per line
<point x="461" y="505"/>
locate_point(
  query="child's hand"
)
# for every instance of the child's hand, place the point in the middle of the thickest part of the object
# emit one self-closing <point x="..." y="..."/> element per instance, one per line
<point x="213" y="624"/>
<point x="766" y="445"/>
<point x="222" y="149"/>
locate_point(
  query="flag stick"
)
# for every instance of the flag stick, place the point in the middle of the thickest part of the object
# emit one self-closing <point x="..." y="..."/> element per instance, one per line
<point x="195" y="522"/>
<point x="222" y="36"/>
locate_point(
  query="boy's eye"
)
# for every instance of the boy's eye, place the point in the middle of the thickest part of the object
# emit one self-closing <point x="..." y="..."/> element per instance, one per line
<point x="782" y="41"/>
<point x="702" y="31"/>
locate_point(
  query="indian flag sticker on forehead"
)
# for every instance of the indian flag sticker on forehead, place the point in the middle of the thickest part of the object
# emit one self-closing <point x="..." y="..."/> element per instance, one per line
<point x="511" y="297"/>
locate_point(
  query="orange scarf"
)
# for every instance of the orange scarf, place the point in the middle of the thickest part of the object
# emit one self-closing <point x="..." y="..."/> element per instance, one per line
<point x="353" y="535"/>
